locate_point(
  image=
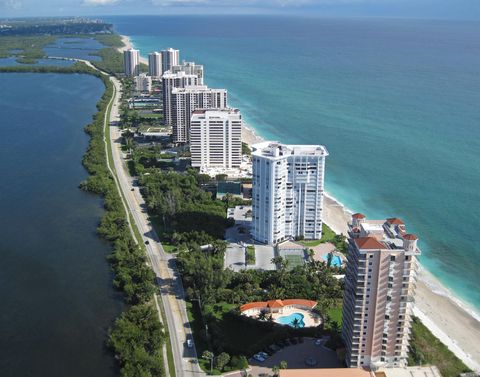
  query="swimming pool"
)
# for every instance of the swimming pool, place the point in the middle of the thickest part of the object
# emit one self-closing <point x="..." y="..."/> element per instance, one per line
<point x="336" y="260"/>
<point x="290" y="320"/>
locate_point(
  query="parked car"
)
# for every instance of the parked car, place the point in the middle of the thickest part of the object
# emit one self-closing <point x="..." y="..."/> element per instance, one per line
<point x="189" y="343"/>
<point x="318" y="342"/>
<point x="259" y="358"/>
<point x="263" y="354"/>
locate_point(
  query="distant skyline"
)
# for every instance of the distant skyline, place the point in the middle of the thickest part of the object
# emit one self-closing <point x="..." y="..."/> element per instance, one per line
<point x="445" y="9"/>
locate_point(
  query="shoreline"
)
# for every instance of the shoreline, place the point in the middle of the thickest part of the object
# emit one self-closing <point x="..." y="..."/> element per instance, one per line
<point x="456" y="325"/>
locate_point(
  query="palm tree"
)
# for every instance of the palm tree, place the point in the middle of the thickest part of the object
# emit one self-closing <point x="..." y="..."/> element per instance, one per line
<point x="295" y="324"/>
<point x="208" y="355"/>
<point x="262" y="316"/>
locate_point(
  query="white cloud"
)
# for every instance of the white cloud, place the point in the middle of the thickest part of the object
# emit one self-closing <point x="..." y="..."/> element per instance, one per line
<point x="260" y="3"/>
<point x="11" y="4"/>
<point x="99" y="2"/>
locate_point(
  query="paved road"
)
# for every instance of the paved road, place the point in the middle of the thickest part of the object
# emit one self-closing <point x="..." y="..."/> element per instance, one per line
<point x="163" y="264"/>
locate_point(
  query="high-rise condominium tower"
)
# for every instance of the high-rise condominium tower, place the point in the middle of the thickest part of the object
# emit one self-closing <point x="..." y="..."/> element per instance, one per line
<point x="155" y="64"/>
<point x="170" y="57"/>
<point x="287" y="191"/>
<point x="170" y="81"/>
<point x="185" y="100"/>
<point x="216" y="138"/>
<point x="379" y="288"/>
<point x="131" y="62"/>
<point x="190" y="68"/>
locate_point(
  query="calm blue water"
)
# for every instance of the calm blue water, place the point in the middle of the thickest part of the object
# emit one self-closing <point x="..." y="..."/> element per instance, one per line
<point x="288" y="320"/>
<point x="81" y="48"/>
<point x="57" y="300"/>
<point x="396" y="102"/>
<point x="336" y="260"/>
<point x="12" y="61"/>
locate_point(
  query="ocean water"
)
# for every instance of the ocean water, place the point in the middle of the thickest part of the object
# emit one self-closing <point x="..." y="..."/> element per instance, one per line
<point x="396" y="102"/>
<point x="57" y="300"/>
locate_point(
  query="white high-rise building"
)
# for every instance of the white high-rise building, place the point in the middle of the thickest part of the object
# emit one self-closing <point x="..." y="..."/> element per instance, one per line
<point x="216" y="139"/>
<point x="143" y="83"/>
<point x="190" y="68"/>
<point x="185" y="100"/>
<point x="155" y="64"/>
<point x="379" y="292"/>
<point x="131" y="62"/>
<point x="287" y="192"/>
<point x="170" y="57"/>
<point x="174" y="80"/>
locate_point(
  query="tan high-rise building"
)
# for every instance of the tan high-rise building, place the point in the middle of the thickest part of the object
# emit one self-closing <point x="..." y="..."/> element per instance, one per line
<point x="379" y="289"/>
<point x="185" y="100"/>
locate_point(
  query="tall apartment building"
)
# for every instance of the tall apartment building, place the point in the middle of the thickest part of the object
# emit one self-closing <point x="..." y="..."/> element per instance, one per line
<point x="155" y="64"/>
<point x="143" y="83"/>
<point x="131" y="62"/>
<point x="185" y="100"/>
<point x="189" y="68"/>
<point x="179" y="79"/>
<point x="216" y="138"/>
<point x="170" y="57"/>
<point x="287" y="192"/>
<point x="379" y="288"/>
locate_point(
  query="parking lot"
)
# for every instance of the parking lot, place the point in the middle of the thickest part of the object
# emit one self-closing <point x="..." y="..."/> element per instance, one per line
<point x="309" y="354"/>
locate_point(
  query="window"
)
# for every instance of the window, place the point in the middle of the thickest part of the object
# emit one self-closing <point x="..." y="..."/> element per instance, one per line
<point x="392" y="258"/>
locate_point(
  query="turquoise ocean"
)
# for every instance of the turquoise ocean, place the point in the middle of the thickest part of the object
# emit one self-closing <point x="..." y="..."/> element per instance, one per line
<point x="395" y="101"/>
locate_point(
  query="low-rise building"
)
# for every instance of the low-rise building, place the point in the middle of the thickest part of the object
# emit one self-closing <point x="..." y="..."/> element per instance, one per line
<point x="143" y="83"/>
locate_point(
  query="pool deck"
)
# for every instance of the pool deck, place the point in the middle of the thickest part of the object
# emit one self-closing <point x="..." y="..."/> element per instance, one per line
<point x="309" y="318"/>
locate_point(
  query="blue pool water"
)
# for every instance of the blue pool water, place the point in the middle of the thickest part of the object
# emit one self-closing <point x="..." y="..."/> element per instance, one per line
<point x="288" y="320"/>
<point x="336" y="260"/>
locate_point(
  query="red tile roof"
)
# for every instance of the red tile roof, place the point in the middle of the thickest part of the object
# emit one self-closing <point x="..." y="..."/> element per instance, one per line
<point x="358" y="216"/>
<point x="410" y="237"/>
<point x="369" y="243"/>
<point x="278" y="304"/>
<point x="395" y="221"/>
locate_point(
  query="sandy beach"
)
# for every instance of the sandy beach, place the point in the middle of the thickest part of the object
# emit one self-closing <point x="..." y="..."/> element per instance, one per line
<point x="445" y="316"/>
<point x="456" y="327"/>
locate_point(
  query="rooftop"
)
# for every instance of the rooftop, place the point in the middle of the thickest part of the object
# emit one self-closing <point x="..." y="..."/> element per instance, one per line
<point x="278" y="150"/>
<point x="326" y="372"/>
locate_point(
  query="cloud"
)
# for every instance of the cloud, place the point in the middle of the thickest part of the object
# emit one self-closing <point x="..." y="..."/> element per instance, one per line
<point x="11" y="4"/>
<point x="99" y="2"/>
<point x="259" y="3"/>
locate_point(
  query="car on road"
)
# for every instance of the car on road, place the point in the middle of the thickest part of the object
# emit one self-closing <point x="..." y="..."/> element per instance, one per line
<point x="147" y="242"/>
<point x="318" y="342"/>
<point x="259" y="358"/>
<point x="189" y="343"/>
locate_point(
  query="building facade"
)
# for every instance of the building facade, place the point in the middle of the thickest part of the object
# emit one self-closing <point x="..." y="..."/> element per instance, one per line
<point x="143" y="83"/>
<point x="379" y="289"/>
<point x="216" y="138"/>
<point x="131" y="62"/>
<point x="185" y="100"/>
<point x="155" y="65"/>
<point x="287" y="192"/>
<point x="190" y="68"/>
<point x="174" y="80"/>
<point x="170" y="57"/>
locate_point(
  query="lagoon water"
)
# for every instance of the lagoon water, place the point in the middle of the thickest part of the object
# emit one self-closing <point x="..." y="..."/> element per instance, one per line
<point x="396" y="102"/>
<point x="57" y="300"/>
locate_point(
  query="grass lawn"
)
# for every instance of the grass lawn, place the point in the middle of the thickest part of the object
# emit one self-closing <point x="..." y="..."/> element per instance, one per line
<point x="250" y="257"/>
<point x="335" y="315"/>
<point x="294" y="261"/>
<point x="425" y="348"/>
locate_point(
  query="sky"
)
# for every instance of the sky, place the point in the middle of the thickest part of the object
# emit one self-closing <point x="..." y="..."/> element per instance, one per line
<point x="453" y="9"/>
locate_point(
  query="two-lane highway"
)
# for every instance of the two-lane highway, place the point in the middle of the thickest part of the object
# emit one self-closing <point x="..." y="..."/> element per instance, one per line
<point x="163" y="264"/>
